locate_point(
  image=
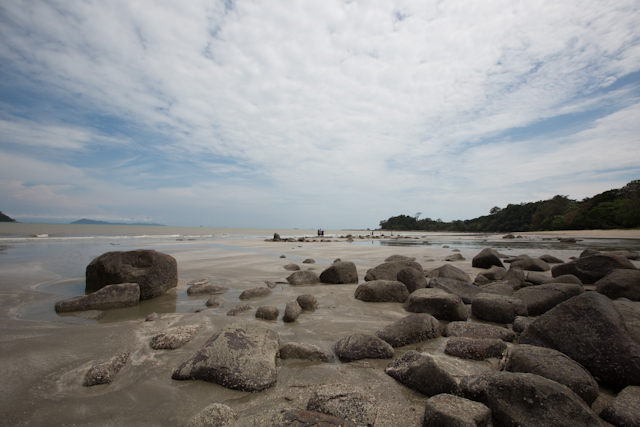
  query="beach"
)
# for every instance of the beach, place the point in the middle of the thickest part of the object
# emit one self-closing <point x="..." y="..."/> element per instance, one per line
<point x="45" y="356"/>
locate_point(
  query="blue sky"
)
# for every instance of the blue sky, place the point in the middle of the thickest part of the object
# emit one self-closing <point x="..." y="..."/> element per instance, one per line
<point x="307" y="114"/>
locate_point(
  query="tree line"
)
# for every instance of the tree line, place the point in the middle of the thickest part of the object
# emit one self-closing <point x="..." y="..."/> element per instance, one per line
<point x="619" y="208"/>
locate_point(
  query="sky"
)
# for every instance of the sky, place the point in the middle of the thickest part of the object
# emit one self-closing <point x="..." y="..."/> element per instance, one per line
<point x="305" y="114"/>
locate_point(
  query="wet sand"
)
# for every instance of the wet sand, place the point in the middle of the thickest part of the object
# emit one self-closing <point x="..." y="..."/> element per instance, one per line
<point x="43" y="362"/>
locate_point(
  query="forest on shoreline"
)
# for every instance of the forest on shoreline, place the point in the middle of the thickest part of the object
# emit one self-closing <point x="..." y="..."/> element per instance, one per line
<point x="618" y="208"/>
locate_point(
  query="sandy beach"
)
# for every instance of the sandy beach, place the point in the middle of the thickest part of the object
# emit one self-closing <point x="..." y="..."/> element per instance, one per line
<point x="43" y="362"/>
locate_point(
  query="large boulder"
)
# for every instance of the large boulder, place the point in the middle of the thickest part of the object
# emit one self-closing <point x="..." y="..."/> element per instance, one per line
<point x="109" y="297"/>
<point x="303" y="278"/>
<point x="153" y="271"/>
<point x="438" y="303"/>
<point x="478" y="330"/>
<point x="620" y="283"/>
<point x="542" y="298"/>
<point x="475" y="348"/>
<point x="590" y="330"/>
<point x="531" y="264"/>
<point x="412" y="278"/>
<point x="625" y="409"/>
<point x="382" y="291"/>
<point x="422" y="373"/>
<point x="344" y="401"/>
<point x="239" y="357"/>
<point x="487" y="258"/>
<point x="592" y="268"/>
<point x="389" y="270"/>
<point x="466" y="291"/>
<point x="494" y="273"/>
<point x="555" y="366"/>
<point x="497" y="308"/>
<point x="449" y="271"/>
<point x="411" y="329"/>
<point x="447" y="410"/>
<point x="340" y="272"/>
<point x="362" y="346"/>
<point x="291" y="312"/>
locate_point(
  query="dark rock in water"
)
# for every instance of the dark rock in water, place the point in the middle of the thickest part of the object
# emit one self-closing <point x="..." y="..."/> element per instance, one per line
<point x="475" y="348"/>
<point x="292" y="418"/>
<point x="438" y="303"/>
<point x="276" y="237"/>
<point x="339" y="273"/>
<point x="204" y="289"/>
<point x="214" y="415"/>
<point x="420" y="372"/>
<point x="478" y="330"/>
<point x="542" y="298"/>
<point x="590" y="330"/>
<point x="267" y="312"/>
<point x="292" y="267"/>
<point x="295" y="350"/>
<point x="239" y="309"/>
<point x="359" y="346"/>
<point x="307" y="301"/>
<point x="555" y="366"/>
<point x="411" y="329"/>
<point x="411" y="278"/>
<point x="174" y="338"/>
<point x="303" y="278"/>
<point x="625" y="409"/>
<point x="620" y="284"/>
<point x="550" y="259"/>
<point x="487" y="258"/>
<point x="447" y="410"/>
<point x="152" y="317"/>
<point x="309" y="261"/>
<point x="270" y="284"/>
<point x="531" y="264"/>
<point x="466" y="291"/>
<point x="239" y="357"/>
<point x="105" y="372"/>
<point x="283" y="256"/>
<point x="449" y="271"/>
<point x="213" y="302"/>
<point x="389" y="270"/>
<point x="344" y="401"/>
<point x="252" y="293"/>
<point x="382" y="291"/>
<point x="109" y="297"/>
<point x="592" y="268"/>
<point x="497" y="308"/>
<point x="528" y="400"/>
<point x="292" y="311"/>
<point x="153" y="271"/>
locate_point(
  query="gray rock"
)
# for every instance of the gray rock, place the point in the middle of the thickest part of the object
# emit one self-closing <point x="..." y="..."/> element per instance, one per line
<point x="153" y="271"/>
<point x="447" y="410"/>
<point x="303" y="278"/>
<point x="295" y="350"/>
<point x="625" y="410"/>
<point x="592" y="268"/>
<point x="531" y="264"/>
<point x="206" y="289"/>
<point x="620" y="284"/>
<point x="104" y="373"/>
<point x="625" y="254"/>
<point x="475" y="348"/>
<point x="382" y="291"/>
<point x="466" y="291"/>
<point x="309" y="261"/>
<point x="239" y="357"/>
<point x="339" y="273"/>
<point x="478" y="330"/>
<point x="486" y="259"/>
<point x="497" y="308"/>
<point x="214" y="415"/>
<point x="259" y="292"/>
<point x="307" y="301"/>
<point x="397" y="257"/>
<point x="550" y="259"/>
<point x="109" y="297"/>
<point x="292" y="418"/>
<point x="411" y="329"/>
<point x="212" y="302"/>
<point x="555" y="366"/>
<point x="500" y="287"/>
<point x="454" y="257"/>
<point x="589" y="252"/>
<point x="537" y="278"/>
<point x="411" y="278"/>
<point x="438" y="303"/>
<point x="542" y="298"/>
<point x="152" y="317"/>
<point x="630" y="312"/>
<point x="567" y="278"/>
<point x="589" y="329"/>
<point x="449" y="271"/>
<point x="362" y="346"/>
<point x="270" y="284"/>
<point x="521" y="323"/>
<point x="389" y="270"/>
<point x="239" y="309"/>
<point x="344" y="401"/>
<point x="494" y="273"/>
<point x="174" y="338"/>
<point x="292" y="311"/>
<point x="267" y="312"/>
<point x="292" y="267"/>
<point x="420" y="372"/>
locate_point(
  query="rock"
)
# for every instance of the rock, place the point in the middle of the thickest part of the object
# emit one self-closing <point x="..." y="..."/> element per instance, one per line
<point x="420" y="372"/>
<point x="292" y="267"/>
<point x="542" y="298"/>
<point x="517" y="258"/>
<point x="529" y="400"/>
<point x="630" y="312"/>
<point x="303" y="278"/>
<point x="295" y="350"/>
<point x="309" y="261"/>
<point x="107" y="298"/>
<point x="589" y="329"/>
<point x="567" y="240"/>
<point x="537" y="278"/>
<point x="344" y="401"/>
<point x="592" y="268"/>
<point x="239" y="309"/>
<point x="252" y="293"/>
<point x="521" y="323"/>
<point x="555" y="366"/>
<point x="466" y="291"/>
<point x="174" y="338"/>
<point x="497" y="308"/>
<point x="214" y="415"/>
<point x="449" y="271"/>
<point x="339" y="273"/>
<point x="362" y="346"/>
<point x="239" y="357"/>
<point x="204" y="289"/>
<point x="267" y="312"/>
<point x="438" y="303"/>
<point x="411" y="278"/>
<point x="486" y="259"/>
<point x="105" y="372"/>
<point x="153" y="271"/>
<point x="494" y="273"/>
<point x="567" y="278"/>
<point x="625" y="254"/>
<point x="292" y="311"/>
<point x="397" y="257"/>
<point x="589" y="252"/>
<point x="292" y="418"/>
<point x="475" y="348"/>
<point x="620" y="284"/>
<point x="625" y="410"/>
<point x="382" y="291"/>
<point x="283" y="256"/>
<point x="447" y="410"/>
<point x="152" y="317"/>
<point x="411" y="329"/>
<point x="389" y="270"/>
<point x="481" y="280"/>
<point x="270" y="284"/>
<point x="454" y="257"/>
<point x="201" y="281"/>
<point x="307" y="302"/>
<point x="478" y="330"/>
<point x="212" y="302"/>
<point x="550" y="259"/>
<point x="515" y="278"/>
<point x="531" y="264"/>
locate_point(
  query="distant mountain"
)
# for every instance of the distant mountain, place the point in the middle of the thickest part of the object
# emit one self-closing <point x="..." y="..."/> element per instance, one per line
<point x="4" y="218"/>
<point x="94" y="222"/>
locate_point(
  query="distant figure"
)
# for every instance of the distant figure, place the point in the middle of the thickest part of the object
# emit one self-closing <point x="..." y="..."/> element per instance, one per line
<point x="320" y="232"/>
